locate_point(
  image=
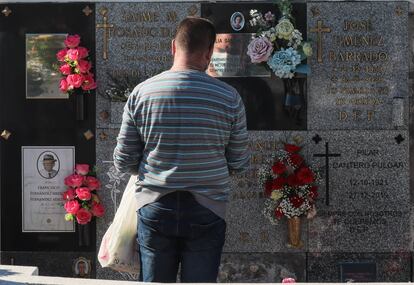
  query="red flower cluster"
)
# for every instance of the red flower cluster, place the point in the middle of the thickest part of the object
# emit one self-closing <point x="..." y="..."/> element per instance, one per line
<point x="292" y="179"/>
<point x="81" y="200"/>
<point x="75" y="66"/>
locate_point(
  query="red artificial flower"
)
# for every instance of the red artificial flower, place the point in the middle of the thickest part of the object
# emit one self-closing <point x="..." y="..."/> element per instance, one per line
<point x="313" y="192"/>
<point x="278" y="213"/>
<point x="69" y="194"/>
<point x="292" y="180"/>
<point x="292" y="148"/>
<point x="296" y="159"/>
<point x="278" y="183"/>
<point x="305" y="175"/>
<point x="296" y="201"/>
<point x="279" y="168"/>
<point x="83" y="216"/>
<point x="98" y="209"/>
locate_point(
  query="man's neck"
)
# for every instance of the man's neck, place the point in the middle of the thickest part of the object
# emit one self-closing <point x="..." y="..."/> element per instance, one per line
<point x="186" y="65"/>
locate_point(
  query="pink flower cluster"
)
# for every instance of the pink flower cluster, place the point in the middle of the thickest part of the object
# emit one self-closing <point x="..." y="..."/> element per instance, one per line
<point x="81" y="200"/>
<point x="75" y="66"/>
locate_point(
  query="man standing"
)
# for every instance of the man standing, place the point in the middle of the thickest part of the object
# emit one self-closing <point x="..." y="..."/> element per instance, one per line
<point x="182" y="133"/>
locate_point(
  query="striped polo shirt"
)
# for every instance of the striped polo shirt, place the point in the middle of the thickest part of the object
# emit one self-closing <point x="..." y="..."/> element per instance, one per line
<point x="183" y="131"/>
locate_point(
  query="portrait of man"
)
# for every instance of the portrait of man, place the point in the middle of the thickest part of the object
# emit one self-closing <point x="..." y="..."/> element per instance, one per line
<point x="237" y="21"/>
<point x="48" y="168"/>
<point x="81" y="267"/>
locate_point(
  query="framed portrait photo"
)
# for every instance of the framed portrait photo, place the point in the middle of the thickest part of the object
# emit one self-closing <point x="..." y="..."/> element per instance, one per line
<point x="42" y="68"/>
<point x="237" y="21"/>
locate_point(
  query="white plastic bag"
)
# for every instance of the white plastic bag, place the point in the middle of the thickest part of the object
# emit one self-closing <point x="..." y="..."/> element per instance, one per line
<point x="118" y="249"/>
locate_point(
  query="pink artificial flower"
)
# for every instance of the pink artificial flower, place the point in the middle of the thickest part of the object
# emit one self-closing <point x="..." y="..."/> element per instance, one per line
<point x="64" y="85"/>
<point x="83" y="52"/>
<point x="75" y="80"/>
<point x="98" y="209"/>
<point x="72" y="41"/>
<point x="73" y="54"/>
<point x="89" y="83"/>
<point x="72" y="207"/>
<point x="288" y="280"/>
<point x="65" y="69"/>
<point x="74" y="180"/>
<point x="92" y="182"/>
<point x="84" y="66"/>
<point x="83" y="216"/>
<point x="82" y="169"/>
<point x="61" y="54"/>
<point x="83" y="193"/>
<point x="259" y="49"/>
<point x="69" y="194"/>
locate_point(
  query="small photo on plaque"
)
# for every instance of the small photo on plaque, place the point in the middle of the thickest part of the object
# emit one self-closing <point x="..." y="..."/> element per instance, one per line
<point x="82" y="268"/>
<point x="42" y="69"/>
<point x="237" y="21"/>
<point x="48" y="164"/>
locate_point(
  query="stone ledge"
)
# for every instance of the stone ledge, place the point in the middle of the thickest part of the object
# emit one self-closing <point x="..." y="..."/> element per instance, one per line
<point x="12" y="270"/>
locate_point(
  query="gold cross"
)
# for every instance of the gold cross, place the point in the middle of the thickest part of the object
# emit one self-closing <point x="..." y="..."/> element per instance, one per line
<point x="6" y="11"/>
<point x="104" y="11"/>
<point x="320" y="29"/>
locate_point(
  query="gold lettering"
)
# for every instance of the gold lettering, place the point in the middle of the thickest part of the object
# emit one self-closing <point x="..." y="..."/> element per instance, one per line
<point x="343" y="115"/>
<point x="172" y="16"/>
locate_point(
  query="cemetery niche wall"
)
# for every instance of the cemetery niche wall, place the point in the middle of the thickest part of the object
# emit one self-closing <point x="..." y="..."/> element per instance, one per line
<point x="352" y="122"/>
<point x="352" y="119"/>
<point x="42" y="139"/>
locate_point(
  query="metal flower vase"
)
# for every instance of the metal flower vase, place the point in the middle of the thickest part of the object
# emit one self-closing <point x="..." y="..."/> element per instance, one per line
<point x="79" y="105"/>
<point x="294" y="236"/>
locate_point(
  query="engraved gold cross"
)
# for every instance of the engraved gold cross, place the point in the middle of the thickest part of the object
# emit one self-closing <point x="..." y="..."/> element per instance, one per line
<point x="106" y="27"/>
<point x="320" y="29"/>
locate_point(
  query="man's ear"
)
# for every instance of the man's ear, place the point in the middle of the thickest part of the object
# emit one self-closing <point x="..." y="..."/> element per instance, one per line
<point x="173" y="47"/>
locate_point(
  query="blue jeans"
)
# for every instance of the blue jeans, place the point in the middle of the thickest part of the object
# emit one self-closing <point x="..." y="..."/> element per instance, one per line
<point x="178" y="230"/>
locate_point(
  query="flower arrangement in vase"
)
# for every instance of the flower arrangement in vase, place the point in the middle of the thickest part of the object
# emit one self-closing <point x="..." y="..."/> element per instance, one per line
<point x="290" y="189"/>
<point x="81" y="199"/>
<point x="277" y="43"/>
<point x="75" y="67"/>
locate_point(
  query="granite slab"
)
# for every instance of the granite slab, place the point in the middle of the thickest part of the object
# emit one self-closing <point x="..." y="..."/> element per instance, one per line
<point x="262" y="267"/>
<point x="138" y="46"/>
<point x="247" y="228"/>
<point x="390" y="267"/>
<point x="359" y="71"/>
<point x="364" y="206"/>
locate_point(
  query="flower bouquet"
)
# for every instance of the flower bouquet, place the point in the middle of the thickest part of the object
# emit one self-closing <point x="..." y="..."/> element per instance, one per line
<point x="278" y="44"/>
<point x="75" y="67"/>
<point x="82" y="202"/>
<point x="290" y="189"/>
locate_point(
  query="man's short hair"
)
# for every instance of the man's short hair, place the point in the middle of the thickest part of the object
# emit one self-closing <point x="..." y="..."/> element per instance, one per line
<point x="195" y="34"/>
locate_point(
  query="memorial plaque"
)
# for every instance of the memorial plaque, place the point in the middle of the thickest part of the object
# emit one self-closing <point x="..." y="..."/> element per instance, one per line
<point x="230" y="58"/>
<point x="133" y="43"/>
<point x="364" y="200"/>
<point x="359" y="77"/>
<point x="42" y="69"/>
<point x="44" y="171"/>
<point x="358" y="272"/>
<point x="247" y="228"/>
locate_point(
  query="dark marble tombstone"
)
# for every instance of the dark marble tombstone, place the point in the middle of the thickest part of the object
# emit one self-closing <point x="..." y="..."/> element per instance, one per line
<point x="267" y="105"/>
<point x="40" y="122"/>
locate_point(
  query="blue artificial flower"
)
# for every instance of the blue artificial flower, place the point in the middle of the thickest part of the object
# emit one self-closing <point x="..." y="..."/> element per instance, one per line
<point x="284" y="62"/>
